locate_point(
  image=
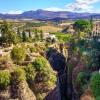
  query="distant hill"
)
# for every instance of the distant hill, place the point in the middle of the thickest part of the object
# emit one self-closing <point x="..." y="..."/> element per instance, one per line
<point x="48" y="15"/>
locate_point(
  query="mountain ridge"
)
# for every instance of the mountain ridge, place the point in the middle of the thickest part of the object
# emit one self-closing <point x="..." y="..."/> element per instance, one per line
<point x="48" y="15"/>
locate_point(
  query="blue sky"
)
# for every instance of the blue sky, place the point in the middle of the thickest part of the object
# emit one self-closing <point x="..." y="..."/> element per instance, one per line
<point x="19" y="6"/>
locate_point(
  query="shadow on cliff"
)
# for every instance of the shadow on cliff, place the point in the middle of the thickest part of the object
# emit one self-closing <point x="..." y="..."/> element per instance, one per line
<point x="58" y="63"/>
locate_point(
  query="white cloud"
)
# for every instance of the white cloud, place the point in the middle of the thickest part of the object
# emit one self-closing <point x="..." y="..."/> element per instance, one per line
<point x="13" y="12"/>
<point x="53" y="9"/>
<point x="77" y="6"/>
<point x="82" y="5"/>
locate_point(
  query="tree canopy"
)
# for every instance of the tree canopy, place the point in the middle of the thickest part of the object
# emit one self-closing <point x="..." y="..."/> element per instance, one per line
<point x="95" y="84"/>
<point x="82" y="25"/>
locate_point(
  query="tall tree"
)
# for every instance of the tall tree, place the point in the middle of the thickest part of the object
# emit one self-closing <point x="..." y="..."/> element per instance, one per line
<point x="29" y="31"/>
<point x="82" y="25"/>
<point x="41" y="35"/>
<point x="36" y="35"/>
<point x="8" y="34"/>
<point x="24" y="37"/>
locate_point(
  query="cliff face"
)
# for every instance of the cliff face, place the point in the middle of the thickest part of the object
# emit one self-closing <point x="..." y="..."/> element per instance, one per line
<point x="57" y="56"/>
<point x="22" y="92"/>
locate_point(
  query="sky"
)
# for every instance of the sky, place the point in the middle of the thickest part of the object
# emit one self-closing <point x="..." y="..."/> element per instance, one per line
<point x="19" y="6"/>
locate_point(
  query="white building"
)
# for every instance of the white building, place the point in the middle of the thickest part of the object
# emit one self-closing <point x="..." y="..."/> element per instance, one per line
<point x="47" y="35"/>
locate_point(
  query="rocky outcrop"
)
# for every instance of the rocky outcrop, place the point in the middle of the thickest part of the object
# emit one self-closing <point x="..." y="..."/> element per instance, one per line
<point x="53" y="95"/>
<point x="22" y="92"/>
<point x="87" y="95"/>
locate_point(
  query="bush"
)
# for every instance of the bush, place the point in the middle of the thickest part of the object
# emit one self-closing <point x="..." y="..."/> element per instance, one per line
<point x="81" y="78"/>
<point x="39" y="96"/>
<point x="18" y="54"/>
<point x="40" y="63"/>
<point x="81" y="83"/>
<point x="95" y="84"/>
<point x="98" y="98"/>
<point x="5" y="63"/>
<point x="19" y="75"/>
<point x="4" y="79"/>
<point x="44" y="71"/>
<point x="30" y="73"/>
<point x="32" y="50"/>
<point x="63" y="37"/>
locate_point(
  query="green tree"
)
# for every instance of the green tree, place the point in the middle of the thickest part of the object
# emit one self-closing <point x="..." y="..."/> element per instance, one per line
<point x="98" y="98"/>
<point x="29" y="32"/>
<point x="95" y="84"/>
<point x="36" y="35"/>
<point x="4" y="79"/>
<point x="44" y="77"/>
<point x="82" y="25"/>
<point x="30" y="73"/>
<point x="24" y="36"/>
<point x="18" y="54"/>
<point x="19" y="35"/>
<point x="44" y="71"/>
<point x="18" y="75"/>
<point x="40" y="63"/>
<point x="8" y="34"/>
<point x="41" y="35"/>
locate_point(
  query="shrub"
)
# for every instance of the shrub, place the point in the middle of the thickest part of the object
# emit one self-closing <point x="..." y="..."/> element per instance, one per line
<point x="5" y="63"/>
<point x="4" y="79"/>
<point x="18" y="75"/>
<point x="81" y="78"/>
<point x="81" y="83"/>
<point x="30" y="73"/>
<point x="44" y="71"/>
<point x="95" y="84"/>
<point x="32" y="50"/>
<point x="98" y="98"/>
<point x="39" y="96"/>
<point x="18" y="54"/>
<point x="40" y="63"/>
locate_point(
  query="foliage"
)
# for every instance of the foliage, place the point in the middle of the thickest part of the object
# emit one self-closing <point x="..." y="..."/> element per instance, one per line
<point x="4" y="79"/>
<point x="32" y="49"/>
<point x="98" y="98"/>
<point x="40" y="63"/>
<point x="18" y="75"/>
<point x="63" y="37"/>
<point x="81" y="78"/>
<point x="39" y="96"/>
<point x="37" y="37"/>
<point x="94" y="59"/>
<point x="34" y="24"/>
<point x="95" y="84"/>
<point x="24" y="36"/>
<point x="44" y="71"/>
<point x="18" y="54"/>
<point x="41" y="36"/>
<point x="82" y="25"/>
<point x="30" y="73"/>
<point x="81" y="82"/>
<point x="8" y="34"/>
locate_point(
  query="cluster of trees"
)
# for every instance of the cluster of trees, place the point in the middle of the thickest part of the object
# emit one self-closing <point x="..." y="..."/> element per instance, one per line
<point x="89" y="53"/>
<point x="10" y="36"/>
<point x="34" y="24"/>
<point x="82" y="26"/>
<point x="62" y="37"/>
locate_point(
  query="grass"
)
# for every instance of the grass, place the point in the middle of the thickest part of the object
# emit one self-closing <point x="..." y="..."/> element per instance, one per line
<point x="48" y="28"/>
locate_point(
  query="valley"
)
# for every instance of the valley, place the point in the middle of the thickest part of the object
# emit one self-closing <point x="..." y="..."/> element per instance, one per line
<point x="49" y="60"/>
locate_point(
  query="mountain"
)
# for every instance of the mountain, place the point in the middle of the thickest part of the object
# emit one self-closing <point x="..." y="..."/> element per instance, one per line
<point x="48" y="15"/>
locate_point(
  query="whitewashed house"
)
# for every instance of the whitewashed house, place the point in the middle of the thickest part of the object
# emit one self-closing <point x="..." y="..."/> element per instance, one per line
<point x="51" y="36"/>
